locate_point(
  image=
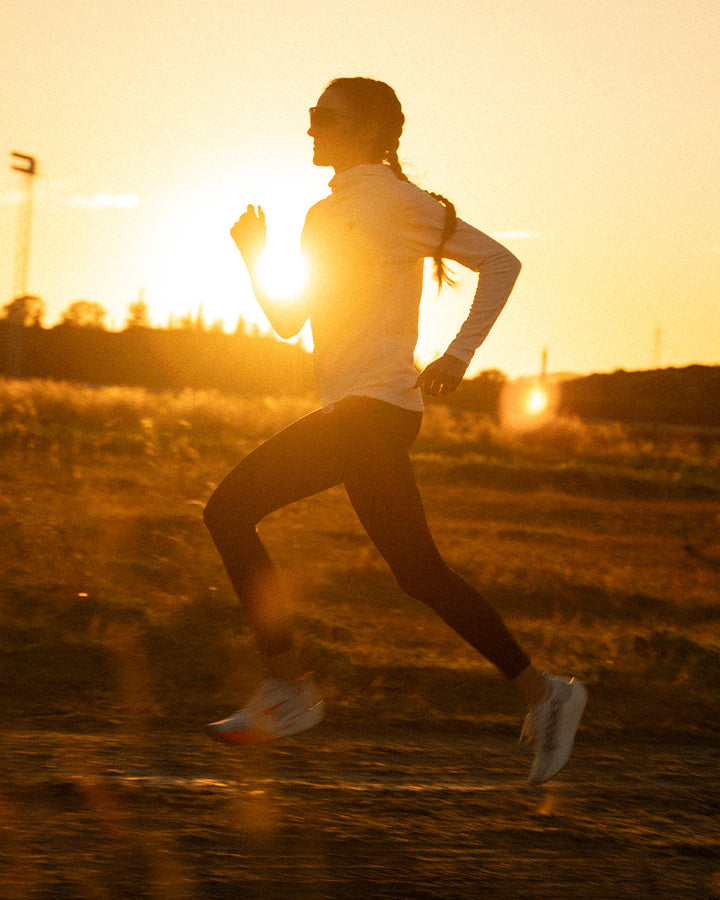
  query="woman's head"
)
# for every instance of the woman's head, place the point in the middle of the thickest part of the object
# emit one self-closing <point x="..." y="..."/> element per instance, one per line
<point x="356" y="120"/>
<point x="360" y="120"/>
<point x="378" y="112"/>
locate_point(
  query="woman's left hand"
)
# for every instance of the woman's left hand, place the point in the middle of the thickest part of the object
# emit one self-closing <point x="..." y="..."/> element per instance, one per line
<point x="250" y="235"/>
<point x="443" y="376"/>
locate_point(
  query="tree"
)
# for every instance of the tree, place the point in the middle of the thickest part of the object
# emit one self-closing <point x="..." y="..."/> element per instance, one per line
<point x="138" y="314"/>
<point x="26" y="311"/>
<point x="190" y="321"/>
<point x="84" y="314"/>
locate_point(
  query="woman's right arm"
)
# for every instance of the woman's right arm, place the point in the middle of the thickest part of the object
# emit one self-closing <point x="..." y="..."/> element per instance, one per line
<point x="287" y="317"/>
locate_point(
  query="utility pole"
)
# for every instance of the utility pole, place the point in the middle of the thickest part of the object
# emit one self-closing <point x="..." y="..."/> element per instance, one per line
<point x="657" y="348"/>
<point x="27" y="166"/>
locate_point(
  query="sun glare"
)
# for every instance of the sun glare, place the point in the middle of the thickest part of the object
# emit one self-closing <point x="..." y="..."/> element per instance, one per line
<point x="195" y="272"/>
<point x="283" y="269"/>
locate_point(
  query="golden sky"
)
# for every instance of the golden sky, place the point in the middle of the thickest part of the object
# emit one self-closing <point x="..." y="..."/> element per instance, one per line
<point x="583" y="136"/>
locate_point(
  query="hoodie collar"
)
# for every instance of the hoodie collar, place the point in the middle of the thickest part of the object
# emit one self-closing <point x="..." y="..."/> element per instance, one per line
<point x="352" y="176"/>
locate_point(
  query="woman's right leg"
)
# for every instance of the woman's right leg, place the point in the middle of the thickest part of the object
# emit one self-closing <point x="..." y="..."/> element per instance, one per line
<point x="297" y="462"/>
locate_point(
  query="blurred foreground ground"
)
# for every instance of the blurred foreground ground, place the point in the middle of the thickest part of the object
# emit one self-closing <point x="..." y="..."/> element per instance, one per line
<point x="330" y="815"/>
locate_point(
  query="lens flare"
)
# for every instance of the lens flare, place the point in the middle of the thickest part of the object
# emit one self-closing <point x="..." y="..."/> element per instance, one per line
<point x="537" y="401"/>
<point x="527" y="404"/>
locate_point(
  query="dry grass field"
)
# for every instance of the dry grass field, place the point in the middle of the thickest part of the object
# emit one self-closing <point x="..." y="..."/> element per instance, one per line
<point x="600" y="545"/>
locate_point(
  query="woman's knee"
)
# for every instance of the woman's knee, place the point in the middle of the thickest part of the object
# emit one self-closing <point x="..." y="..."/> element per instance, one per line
<point x="226" y="510"/>
<point x="211" y="513"/>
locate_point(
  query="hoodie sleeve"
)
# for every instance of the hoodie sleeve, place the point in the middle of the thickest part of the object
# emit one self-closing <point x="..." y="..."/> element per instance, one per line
<point x="497" y="267"/>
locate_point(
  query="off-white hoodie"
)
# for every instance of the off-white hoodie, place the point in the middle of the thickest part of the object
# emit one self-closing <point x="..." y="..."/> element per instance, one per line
<point x="365" y="244"/>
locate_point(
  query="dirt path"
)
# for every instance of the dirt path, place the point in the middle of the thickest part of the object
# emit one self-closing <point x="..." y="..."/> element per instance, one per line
<point x="331" y="816"/>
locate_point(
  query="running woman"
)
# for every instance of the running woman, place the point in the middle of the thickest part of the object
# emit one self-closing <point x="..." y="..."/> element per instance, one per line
<point x="365" y="245"/>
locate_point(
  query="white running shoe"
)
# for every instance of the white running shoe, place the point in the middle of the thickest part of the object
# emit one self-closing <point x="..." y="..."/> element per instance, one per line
<point x="278" y="709"/>
<point x="552" y="724"/>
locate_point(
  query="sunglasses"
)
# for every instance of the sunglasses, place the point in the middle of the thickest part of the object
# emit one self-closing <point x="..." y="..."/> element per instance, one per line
<point x="325" y="117"/>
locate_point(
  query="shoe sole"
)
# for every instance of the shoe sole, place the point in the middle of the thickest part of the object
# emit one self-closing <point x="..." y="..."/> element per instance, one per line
<point x="259" y="735"/>
<point x="574" y="710"/>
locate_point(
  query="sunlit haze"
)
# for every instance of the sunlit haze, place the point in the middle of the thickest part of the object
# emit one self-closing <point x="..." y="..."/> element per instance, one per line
<point x="583" y="136"/>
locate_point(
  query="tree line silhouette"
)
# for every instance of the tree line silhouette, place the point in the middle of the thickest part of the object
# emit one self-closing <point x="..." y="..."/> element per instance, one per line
<point x="188" y="355"/>
<point x="672" y="396"/>
<point x="193" y="355"/>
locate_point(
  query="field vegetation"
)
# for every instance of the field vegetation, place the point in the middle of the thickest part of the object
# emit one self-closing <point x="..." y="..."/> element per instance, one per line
<point x="599" y="543"/>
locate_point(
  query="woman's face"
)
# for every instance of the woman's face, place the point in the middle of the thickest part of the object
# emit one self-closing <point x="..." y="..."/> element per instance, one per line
<point x="340" y="138"/>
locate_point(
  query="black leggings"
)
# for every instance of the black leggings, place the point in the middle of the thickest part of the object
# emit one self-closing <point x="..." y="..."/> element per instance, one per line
<point x="363" y="444"/>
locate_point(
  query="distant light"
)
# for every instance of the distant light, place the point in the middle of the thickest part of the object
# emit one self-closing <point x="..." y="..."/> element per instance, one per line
<point x="537" y="401"/>
<point x="527" y="404"/>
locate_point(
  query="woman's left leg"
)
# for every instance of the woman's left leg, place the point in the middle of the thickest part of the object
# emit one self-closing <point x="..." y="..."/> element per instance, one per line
<point x="382" y="488"/>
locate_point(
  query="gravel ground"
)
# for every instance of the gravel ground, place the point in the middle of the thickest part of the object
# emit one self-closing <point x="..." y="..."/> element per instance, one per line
<point x="330" y="815"/>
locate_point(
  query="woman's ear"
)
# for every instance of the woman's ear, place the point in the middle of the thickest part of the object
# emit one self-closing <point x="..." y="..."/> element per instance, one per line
<point x="369" y="137"/>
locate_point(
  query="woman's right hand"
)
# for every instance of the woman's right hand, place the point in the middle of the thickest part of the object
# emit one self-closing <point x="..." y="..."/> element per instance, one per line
<point x="250" y="235"/>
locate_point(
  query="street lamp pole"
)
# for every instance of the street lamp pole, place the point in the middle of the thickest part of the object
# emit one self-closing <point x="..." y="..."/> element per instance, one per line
<point x="27" y="165"/>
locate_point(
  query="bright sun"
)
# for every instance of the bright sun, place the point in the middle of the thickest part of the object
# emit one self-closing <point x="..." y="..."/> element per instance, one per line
<point x="195" y="270"/>
<point x="283" y="269"/>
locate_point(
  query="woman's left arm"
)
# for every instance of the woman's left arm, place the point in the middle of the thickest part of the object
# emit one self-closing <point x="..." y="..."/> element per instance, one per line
<point x="497" y="269"/>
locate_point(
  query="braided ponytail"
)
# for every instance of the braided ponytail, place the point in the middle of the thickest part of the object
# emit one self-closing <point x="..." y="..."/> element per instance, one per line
<point x="442" y="276"/>
<point x="377" y="102"/>
<point x="392" y="160"/>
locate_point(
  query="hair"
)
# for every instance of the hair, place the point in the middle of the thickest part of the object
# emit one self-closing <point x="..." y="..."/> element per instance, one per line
<point x="376" y="102"/>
